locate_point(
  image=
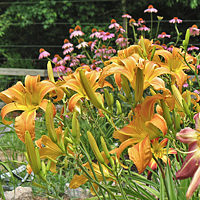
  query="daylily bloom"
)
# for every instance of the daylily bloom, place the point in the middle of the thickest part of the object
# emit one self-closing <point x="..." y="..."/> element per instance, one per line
<point x="175" y="63"/>
<point x="74" y="83"/>
<point x="128" y="67"/>
<point x="159" y="152"/>
<point x="27" y="99"/>
<point x="151" y="9"/>
<point x="144" y="127"/>
<point x="191" y="165"/>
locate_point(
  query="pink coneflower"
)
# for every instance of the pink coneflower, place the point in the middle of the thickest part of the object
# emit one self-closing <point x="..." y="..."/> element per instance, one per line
<point x="170" y="48"/>
<point x="185" y="85"/>
<point x="163" y="35"/>
<point x="95" y="33"/>
<point x="110" y="50"/>
<point x="126" y="16"/>
<point x="108" y="35"/>
<point x="133" y="22"/>
<point x="67" y="44"/>
<point x="68" y="69"/>
<point x="194" y="30"/>
<point x="120" y="28"/>
<point x="82" y="43"/>
<point x="107" y="57"/>
<point x="56" y="58"/>
<point x="81" y="56"/>
<point x="164" y="46"/>
<point x="192" y="48"/>
<point x="61" y="62"/>
<point x="59" y="68"/>
<point x="43" y="54"/>
<point x="113" y="24"/>
<point x="143" y="28"/>
<point x="74" y="62"/>
<point x="151" y="9"/>
<point x="141" y="21"/>
<point x="92" y="44"/>
<point x="196" y="91"/>
<point x="68" y="50"/>
<point x="67" y="57"/>
<point x="77" y="32"/>
<point x="198" y="66"/>
<point x="175" y="20"/>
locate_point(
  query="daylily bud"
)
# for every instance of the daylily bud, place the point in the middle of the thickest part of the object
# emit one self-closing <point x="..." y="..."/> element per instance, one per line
<point x="139" y="85"/>
<point x="32" y="158"/>
<point x="185" y="108"/>
<point x="50" y="122"/>
<point x="95" y="148"/>
<point x="177" y="122"/>
<point x="109" y="99"/>
<point x="143" y="47"/>
<point x="140" y="52"/>
<point x="122" y="97"/>
<point x="44" y="168"/>
<point x="152" y="92"/>
<point x="125" y="86"/>
<point x="103" y="144"/>
<point x="188" y="98"/>
<point x="50" y="72"/>
<point x="177" y="95"/>
<point x="74" y="125"/>
<point x="88" y="90"/>
<point x="48" y="165"/>
<point x="69" y="140"/>
<point x="186" y="41"/>
<point x="38" y="158"/>
<point x="166" y="113"/>
<point x="152" y="53"/>
<point x="119" y="108"/>
<point x="66" y="164"/>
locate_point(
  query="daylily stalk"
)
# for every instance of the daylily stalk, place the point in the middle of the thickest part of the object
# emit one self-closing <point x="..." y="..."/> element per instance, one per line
<point x="50" y="122"/>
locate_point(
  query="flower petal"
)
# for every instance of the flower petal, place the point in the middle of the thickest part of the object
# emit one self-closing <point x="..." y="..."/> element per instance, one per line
<point x="141" y="154"/>
<point x="77" y="181"/>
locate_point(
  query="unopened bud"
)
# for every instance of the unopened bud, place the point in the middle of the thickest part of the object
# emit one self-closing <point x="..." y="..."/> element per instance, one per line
<point x="119" y="108"/>
<point x="139" y="85"/>
<point x="185" y="108"/>
<point x="95" y="148"/>
<point x="50" y="72"/>
<point x="166" y="113"/>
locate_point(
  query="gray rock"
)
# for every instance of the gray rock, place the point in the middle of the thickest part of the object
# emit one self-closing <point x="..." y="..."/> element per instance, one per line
<point x="21" y="193"/>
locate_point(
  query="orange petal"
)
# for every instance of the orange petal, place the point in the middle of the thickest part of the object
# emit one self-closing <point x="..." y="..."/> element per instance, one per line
<point x="141" y="154"/>
<point x="25" y="122"/>
<point x="73" y="101"/>
<point x="77" y="181"/>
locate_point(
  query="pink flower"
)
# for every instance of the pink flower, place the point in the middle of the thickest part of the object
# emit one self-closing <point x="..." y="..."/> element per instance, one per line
<point x="95" y="33"/>
<point x="67" y="57"/>
<point x="68" y="50"/>
<point x="81" y="56"/>
<point x="133" y="22"/>
<point x="194" y="30"/>
<point x="59" y="68"/>
<point x="198" y="66"/>
<point x="175" y="20"/>
<point x="170" y="48"/>
<point x="141" y="21"/>
<point x="192" y="48"/>
<point x="126" y="16"/>
<point x="196" y="91"/>
<point x="43" y="54"/>
<point x="120" y="28"/>
<point x="67" y="44"/>
<point x="113" y="24"/>
<point x="185" y="85"/>
<point x="163" y="35"/>
<point x="191" y="165"/>
<point x="108" y="35"/>
<point x="77" y="32"/>
<point x="82" y="44"/>
<point x="61" y="62"/>
<point x="56" y="58"/>
<point x="143" y="28"/>
<point x="110" y="50"/>
<point x="151" y="9"/>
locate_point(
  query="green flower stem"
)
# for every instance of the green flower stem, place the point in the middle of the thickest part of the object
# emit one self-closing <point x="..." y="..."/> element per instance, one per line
<point x="120" y="187"/>
<point x="163" y="176"/>
<point x="94" y="190"/>
<point x="177" y="31"/>
<point x="151" y="25"/>
<point x="94" y="181"/>
<point x="157" y="29"/>
<point x="134" y="34"/>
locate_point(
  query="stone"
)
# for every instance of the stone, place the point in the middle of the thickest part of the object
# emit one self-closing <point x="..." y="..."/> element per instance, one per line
<point x="21" y="193"/>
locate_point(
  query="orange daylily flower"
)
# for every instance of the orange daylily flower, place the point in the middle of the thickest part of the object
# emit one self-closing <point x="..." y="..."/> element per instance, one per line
<point x="27" y="99"/>
<point x="74" y="83"/>
<point x="128" y="67"/>
<point x="145" y="126"/>
<point x="175" y="63"/>
<point x="159" y="152"/>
